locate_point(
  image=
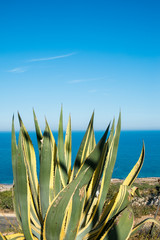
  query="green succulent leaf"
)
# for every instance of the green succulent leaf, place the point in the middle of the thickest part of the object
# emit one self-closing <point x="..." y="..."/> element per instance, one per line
<point x="14" y="167"/>
<point x="58" y="184"/>
<point x="63" y="204"/>
<point x="55" y="214"/>
<point x="109" y="164"/>
<point x="94" y="184"/>
<point x="81" y="155"/>
<point x="76" y="208"/>
<point x="136" y="169"/>
<point x="139" y="225"/>
<point x="67" y="148"/>
<point x="111" y="147"/>
<point x="53" y="224"/>
<point x="38" y="133"/>
<point x="62" y="165"/>
<point x="30" y="161"/>
<point x="23" y="189"/>
<point x="121" y="228"/>
<point x="15" y="236"/>
<point x="115" y="206"/>
<point x="95" y="156"/>
<point x="46" y="177"/>
<point x="2" y="237"/>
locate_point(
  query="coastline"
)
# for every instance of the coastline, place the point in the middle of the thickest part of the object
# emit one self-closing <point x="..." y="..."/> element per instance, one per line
<point x="5" y="187"/>
<point x="150" y="180"/>
<point x="143" y="207"/>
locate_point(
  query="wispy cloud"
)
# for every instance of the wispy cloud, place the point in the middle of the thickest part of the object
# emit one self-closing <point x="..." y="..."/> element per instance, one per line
<point x="17" y="70"/>
<point x="85" y="80"/>
<point x="92" y="91"/>
<point x="77" y="81"/>
<point x="51" y="58"/>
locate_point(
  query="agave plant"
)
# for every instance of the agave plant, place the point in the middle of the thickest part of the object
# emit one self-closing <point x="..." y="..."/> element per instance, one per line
<point x="62" y="202"/>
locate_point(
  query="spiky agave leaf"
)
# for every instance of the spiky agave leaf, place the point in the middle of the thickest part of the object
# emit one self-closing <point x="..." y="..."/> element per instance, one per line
<point x="30" y="161"/>
<point x="121" y="227"/>
<point x="46" y="177"/>
<point x="66" y="199"/>
<point x="23" y="189"/>
<point x="61" y="162"/>
<point x="15" y="236"/>
<point x="14" y="163"/>
<point x="139" y="225"/>
<point x="38" y="133"/>
<point x="95" y="181"/>
<point x="22" y="159"/>
<point x="119" y="203"/>
<point x="56" y="211"/>
<point x="111" y="147"/>
<point x="67" y="148"/>
<point x="136" y="169"/>
<point x="81" y="155"/>
<point x="2" y="237"/>
<point x="74" y="220"/>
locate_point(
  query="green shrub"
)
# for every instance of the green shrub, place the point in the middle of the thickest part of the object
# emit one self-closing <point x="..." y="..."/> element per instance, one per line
<point x="6" y="200"/>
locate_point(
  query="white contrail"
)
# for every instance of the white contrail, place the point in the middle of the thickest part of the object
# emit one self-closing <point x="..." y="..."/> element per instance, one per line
<point x="51" y="58"/>
<point x="17" y="70"/>
<point x="86" y="80"/>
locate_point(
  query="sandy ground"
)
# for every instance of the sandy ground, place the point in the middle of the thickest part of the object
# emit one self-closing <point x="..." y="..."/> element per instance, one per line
<point x="8" y="219"/>
<point x="151" y="180"/>
<point x="8" y="223"/>
<point x="5" y="187"/>
<point x="8" y="214"/>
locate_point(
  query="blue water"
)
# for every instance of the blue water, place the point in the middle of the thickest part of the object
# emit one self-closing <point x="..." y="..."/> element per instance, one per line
<point x="128" y="152"/>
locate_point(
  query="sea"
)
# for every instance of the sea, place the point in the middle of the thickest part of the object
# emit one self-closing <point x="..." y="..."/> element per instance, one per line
<point x="129" y="150"/>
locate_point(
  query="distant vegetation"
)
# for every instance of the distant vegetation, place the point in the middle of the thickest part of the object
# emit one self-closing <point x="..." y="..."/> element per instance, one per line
<point x="6" y="202"/>
<point x="146" y="189"/>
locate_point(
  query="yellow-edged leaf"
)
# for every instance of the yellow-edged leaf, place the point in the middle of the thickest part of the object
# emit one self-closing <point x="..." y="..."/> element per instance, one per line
<point x="147" y="220"/>
<point x="23" y="189"/>
<point x="134" y="172"/>
<point x="67" y="148"/>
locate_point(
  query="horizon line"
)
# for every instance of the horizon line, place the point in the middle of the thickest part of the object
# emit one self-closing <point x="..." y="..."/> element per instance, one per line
<point x="83" y="130"/>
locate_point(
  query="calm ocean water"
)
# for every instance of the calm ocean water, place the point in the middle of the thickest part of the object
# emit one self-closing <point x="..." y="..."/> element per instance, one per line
<point x="128" y="152"/>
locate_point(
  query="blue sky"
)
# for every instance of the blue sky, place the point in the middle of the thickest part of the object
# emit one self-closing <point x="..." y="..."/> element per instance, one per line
<point x="86" y="55"/>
